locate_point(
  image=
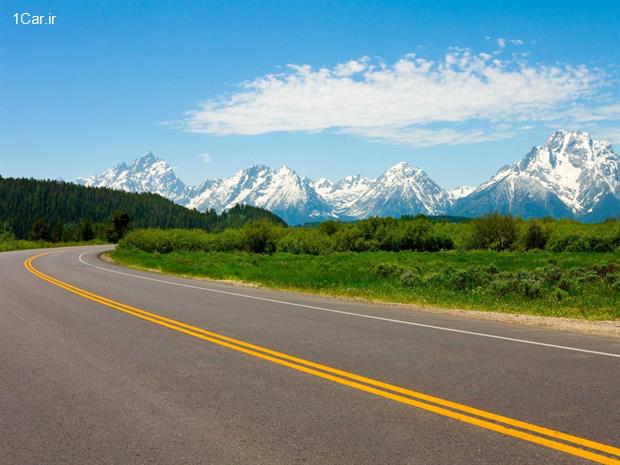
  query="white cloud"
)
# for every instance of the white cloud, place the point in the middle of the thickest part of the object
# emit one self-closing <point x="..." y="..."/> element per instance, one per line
<point x="423" y="137"/>
<point x="399" y="102"/>
<point x="206" y="157"/>
<point x="501" y="42"/>
<point x="596" y="113"/>
<point x="612" y="135"/>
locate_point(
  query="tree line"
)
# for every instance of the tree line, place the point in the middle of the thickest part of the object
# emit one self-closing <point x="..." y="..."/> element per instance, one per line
<point x="60" y="211"/>
<point x="491" y="232"/>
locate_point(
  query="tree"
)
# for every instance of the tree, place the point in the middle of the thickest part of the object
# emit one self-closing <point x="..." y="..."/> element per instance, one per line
<point x="329" y="227"/>
<point x="118" y="226"/>
<point x="6" y="232"/>
<point x="536" y="236"/>
<point x="40" y="231"/>
<point x="23" y="201"/>
<point x="56" y="232"/>
<point x="86" y="231"/>
<point x="494" y="231"/>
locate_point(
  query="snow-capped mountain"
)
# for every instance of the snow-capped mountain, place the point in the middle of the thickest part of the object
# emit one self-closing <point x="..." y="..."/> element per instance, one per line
<point x="401" y="190"/>
<point x="146" y="174"/>
<point x="460" y="192"/>
<point x="281" y="191"/>
<point x="571" y="175"/>
<point x="343" y="195"/>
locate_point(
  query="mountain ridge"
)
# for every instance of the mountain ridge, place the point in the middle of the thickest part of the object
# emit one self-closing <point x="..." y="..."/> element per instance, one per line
<point x="570" y="176"/>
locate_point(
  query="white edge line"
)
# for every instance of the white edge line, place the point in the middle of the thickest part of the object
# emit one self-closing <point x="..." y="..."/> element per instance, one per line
<point x="341" y="312"/>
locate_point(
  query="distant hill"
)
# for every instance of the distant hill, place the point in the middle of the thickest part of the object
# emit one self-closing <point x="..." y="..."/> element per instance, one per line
<point x="23" y="201"/>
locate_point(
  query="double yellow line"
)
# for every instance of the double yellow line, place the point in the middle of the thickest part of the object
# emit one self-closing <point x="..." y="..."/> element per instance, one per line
<point x="552" y="439"/>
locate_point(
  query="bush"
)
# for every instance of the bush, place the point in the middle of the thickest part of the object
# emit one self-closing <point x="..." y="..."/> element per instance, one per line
<point x="387" y="269"/>
<point x="40" y="231"/>
<point x="530" y="288"/>
<point x="329" y="227"/>
<point x="304" y="242"/>
<point x="260" y="237"/>
<point x="495" y="232"/>
<point x="536" y="236"/>
<point x="576" y="237"/>
<point x="410" y="277"/>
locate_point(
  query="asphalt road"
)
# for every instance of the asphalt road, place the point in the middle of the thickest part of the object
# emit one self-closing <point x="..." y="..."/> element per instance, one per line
<point x="84" y="380"/>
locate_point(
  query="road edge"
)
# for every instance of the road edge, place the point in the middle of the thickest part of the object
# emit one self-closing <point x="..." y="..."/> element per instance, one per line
<point x="610" y="328"/>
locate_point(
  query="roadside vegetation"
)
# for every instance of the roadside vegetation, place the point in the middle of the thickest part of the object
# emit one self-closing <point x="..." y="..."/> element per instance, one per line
<point x="36" y="213"/>
<point x="42" y="236"/>
<point x="63" y="206"/>
<point x="546" y="267"/>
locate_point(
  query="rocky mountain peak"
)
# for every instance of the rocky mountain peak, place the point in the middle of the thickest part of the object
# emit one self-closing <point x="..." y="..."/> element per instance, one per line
<point x="570" y="175"/>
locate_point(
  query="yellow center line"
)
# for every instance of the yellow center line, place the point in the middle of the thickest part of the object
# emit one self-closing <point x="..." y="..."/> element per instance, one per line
<point x="355" y="381"/>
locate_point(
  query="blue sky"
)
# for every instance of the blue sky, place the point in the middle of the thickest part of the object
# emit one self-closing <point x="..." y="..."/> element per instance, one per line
<point x="327" y="88"/>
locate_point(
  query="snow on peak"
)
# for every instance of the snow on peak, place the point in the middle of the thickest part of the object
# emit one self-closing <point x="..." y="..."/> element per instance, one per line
<point x="571" y="167"/>
<point x="402" y="169"/>
<point x="460" y="192"/>
<point x="574" y="167"/>
<point x="570" y="174"/>
<point x="146" y="174"/>
<point x="402" y="189"/>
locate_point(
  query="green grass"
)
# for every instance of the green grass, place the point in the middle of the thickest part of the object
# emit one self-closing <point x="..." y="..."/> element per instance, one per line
<point x="19" y="244"/>
<point x="576" y="285"/>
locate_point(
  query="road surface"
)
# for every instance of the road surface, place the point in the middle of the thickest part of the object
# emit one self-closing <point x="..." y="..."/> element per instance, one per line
<point x="100" y="364"/>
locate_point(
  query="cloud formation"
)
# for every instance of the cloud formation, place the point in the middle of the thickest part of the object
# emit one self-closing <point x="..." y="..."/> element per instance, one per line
<point x="462" y="98"/>
<point x="206" y="157"/>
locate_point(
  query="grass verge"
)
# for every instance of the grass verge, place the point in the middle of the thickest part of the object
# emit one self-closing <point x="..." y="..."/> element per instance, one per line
<point x="574" y="285"/>
<point x="19" y="244"/>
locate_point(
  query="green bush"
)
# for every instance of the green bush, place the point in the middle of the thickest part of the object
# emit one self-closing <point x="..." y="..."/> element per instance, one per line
<point x="260" y="236"/>
<point x="536" y="236"/>
<point x="494" y="232"/>
<point x="387" y="269"/>
<point x="302" y="241"/>
<point x="410" y="277"/>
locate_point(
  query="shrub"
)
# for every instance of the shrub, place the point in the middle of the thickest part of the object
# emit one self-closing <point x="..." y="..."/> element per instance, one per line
<point x="536" y="236"/>
<point x="229" y="240"/>
<point x="495" y="231"/>
<point x="530" y="288"/>
<point x="40" y="231"/>
<point x="329" y="227"/>
<point x="410" y="277"/>
<point x="387" y="269"/>
<point x="260" y="236"/>
<point x="304" y="241"/>
<point x="501" y="287"/>
<point x="468" y="279"/>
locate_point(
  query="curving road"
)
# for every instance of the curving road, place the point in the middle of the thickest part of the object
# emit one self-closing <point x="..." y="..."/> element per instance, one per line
<point x="104" y="365"/>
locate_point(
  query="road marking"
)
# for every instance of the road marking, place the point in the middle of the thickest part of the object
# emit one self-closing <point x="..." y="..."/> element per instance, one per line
<point x="361" y="315"/>
<point x="416" y="399"/>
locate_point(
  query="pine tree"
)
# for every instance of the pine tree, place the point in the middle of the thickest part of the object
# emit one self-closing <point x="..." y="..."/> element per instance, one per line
<point x="40" y="231"/>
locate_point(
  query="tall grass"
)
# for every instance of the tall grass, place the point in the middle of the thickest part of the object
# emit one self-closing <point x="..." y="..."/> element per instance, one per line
<point x="495" y="262"/>
<point x="578" y="285"/>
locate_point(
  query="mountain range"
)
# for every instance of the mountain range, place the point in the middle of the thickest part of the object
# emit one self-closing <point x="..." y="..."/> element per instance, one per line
<point x="570" y="176"/>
